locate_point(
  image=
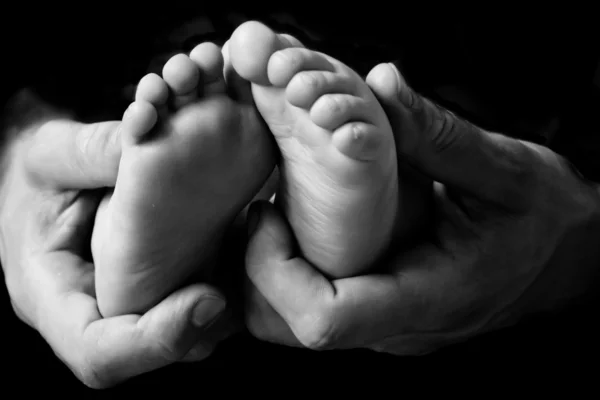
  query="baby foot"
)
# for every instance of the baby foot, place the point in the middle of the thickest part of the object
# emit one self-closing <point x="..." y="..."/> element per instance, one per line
<point x="192" y="158"/>
<point x="339" y="175"/>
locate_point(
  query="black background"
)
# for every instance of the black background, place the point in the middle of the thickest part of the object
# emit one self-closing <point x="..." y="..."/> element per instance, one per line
<point x="522" y="67"/>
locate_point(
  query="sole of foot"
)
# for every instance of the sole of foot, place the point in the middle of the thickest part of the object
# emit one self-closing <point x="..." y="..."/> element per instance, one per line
<point x="194" y="153"/>
<point x="339" y="184"/>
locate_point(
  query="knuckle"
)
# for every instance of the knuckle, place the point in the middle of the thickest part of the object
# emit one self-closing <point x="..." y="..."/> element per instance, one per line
<point x="522" y="166"/>
<point x="518" y="160"/>
<point x="169" y="351"/>
<point x="443" y="128"/>
<point x="413" y="101"/>
<point x="92" y="374"/>
<point x="85" y="141"/>
<point x="316" y="332"/>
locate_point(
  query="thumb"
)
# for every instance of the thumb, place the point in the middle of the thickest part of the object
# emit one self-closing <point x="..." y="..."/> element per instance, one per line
<point x="163" y="335"/>
<point x="180" y="321"/>
<point x="65" y="154"/>
<point x="118" y="348"/>
<point x="294" y="289"/>
<point x="450" y="149"/>
<point x="274" y="241"/>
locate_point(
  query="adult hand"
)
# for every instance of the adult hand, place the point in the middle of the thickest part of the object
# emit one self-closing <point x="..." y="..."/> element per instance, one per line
<point x="46" y="219"/>
<point x="515" y="231"/>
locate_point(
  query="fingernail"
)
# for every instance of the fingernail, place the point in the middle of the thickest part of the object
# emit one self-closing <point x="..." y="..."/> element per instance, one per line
<point x="397" y="79"/>
<point x="404" y="93"/>
<point x="207" y="310"/>
<point x="199" y="352"/>
<point x="253" y="217"/>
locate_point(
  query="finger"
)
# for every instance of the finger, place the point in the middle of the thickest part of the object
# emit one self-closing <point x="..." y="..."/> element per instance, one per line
<point x="271" y="251"/>
<point x="346" y="313"/>
<point x="72" y="229"/>
<point x="263" y="322"/>
<point x="450" y="149"/>
<point x="64" y="154"/>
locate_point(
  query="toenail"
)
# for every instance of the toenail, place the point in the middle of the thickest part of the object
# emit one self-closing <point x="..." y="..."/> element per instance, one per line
<point x="398" y="78"/>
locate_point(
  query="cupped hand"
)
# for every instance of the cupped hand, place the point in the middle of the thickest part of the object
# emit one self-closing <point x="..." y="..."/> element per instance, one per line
<point x="514" y="232"/>
<point x="47" y="214"/>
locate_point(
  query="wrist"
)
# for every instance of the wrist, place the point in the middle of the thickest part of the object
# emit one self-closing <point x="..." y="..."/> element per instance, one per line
<point x="570" y="277"/>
